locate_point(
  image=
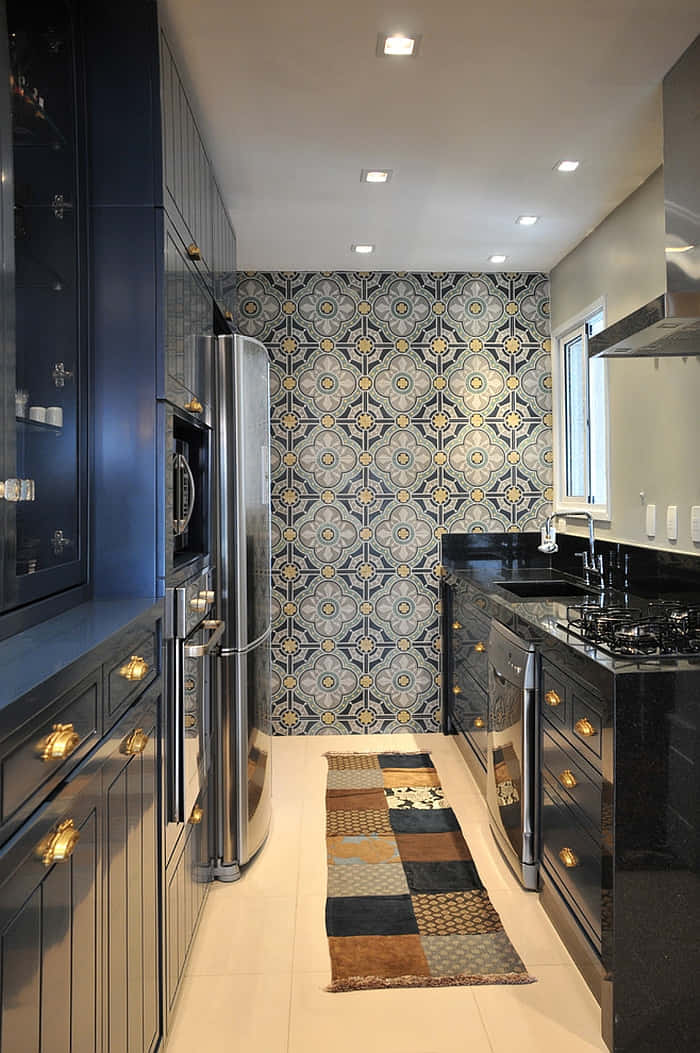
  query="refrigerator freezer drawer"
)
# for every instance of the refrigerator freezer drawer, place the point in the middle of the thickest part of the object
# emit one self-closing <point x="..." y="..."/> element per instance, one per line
<point x="244" y="733"/>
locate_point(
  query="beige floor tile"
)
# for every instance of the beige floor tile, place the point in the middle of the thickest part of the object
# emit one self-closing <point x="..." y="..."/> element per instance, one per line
<point x="310" y="940"/>
<point x="275" y="870"/>
<point x="414" y="1020"/>
<point x="493" y="869"/>
<point x="289" y="767"/>
<point x="237" y="1014"/>
<point x="529" y="928"/>
<point x="243" y="934"/>
<point x="313" y="862"/>
<point x="556" y="1013"/>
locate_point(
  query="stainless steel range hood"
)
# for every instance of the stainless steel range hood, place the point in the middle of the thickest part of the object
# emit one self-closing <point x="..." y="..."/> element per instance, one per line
<point x="670" y="324"/>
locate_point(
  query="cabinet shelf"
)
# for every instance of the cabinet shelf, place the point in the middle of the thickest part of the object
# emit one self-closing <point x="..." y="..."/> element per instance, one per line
<point x="24" y="424"/>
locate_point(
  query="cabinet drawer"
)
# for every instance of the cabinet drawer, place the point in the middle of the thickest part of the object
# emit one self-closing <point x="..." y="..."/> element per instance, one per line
<point x="128" y="676"/>
<point x="574" y="858"/>
<point x="580" y="786"/>
<point x="48" y="747"/>
<point x="469" y="709"/>
<point x="470" y="635"/>
<point x="555" y="697"/>
<point x="586" y="724"/>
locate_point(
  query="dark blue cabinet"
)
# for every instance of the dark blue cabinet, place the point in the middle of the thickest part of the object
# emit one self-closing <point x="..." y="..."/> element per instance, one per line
<point x="43" y="453"/>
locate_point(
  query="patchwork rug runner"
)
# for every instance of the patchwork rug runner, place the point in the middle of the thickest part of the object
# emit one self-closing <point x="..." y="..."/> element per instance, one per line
<point x="405" y="904"/>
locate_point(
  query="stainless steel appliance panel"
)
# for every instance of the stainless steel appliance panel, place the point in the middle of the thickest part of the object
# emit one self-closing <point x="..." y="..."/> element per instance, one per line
<point x="512" y="751"/>
<point x="191" y="636"/>
<point x="242" y="372"/>
<point x="244" y="726"/>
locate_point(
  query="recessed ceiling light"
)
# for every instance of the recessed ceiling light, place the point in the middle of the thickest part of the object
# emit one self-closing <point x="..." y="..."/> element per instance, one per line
<point x="567" y="166"/>
<point x="497" y="258"/>
<point x="527" y="221"/>
<point x="397" y="44"/>
<point x="362" y="248"/>
<point x="372" y="175"/>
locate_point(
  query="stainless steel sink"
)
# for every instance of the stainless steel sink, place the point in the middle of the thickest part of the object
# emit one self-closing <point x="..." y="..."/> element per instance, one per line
<point x="550" y="587"/>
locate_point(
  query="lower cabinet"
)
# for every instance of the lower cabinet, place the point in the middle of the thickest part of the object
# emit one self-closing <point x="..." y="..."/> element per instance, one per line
<point x="131" y="832"/>
<point x="186" y="886"/>
<point x="576" y="816"/>
<point x="466" y="631"/>
<point x="78" y="905"/>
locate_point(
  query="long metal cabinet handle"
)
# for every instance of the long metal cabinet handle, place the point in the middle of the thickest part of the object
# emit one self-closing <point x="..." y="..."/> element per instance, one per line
<point x="202" y="650"/>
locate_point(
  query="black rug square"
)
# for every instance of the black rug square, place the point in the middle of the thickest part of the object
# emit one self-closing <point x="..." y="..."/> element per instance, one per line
<point x="405" y="760"/>
<point x="370" y="916"/>
<point x="422" y="820"/>
<point x="457" y="875"/>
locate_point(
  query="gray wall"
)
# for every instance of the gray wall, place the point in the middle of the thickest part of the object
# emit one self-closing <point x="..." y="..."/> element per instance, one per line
<point x="654" y="403"/>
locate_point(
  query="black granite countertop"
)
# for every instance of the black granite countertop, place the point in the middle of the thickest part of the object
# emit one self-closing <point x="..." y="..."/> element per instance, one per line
<point x="480" y="567"/>
<point x="33" y="656"/>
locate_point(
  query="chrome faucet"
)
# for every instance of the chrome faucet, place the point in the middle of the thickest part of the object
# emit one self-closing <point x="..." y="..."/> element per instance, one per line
<point x="592" y="565"/>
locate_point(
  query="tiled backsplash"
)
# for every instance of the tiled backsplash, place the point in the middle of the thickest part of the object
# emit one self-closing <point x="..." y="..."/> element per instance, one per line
<point x="403" y="406"/>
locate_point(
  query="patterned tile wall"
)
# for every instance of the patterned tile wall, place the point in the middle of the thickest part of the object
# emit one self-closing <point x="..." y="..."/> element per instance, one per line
<point x="403" y="406"/>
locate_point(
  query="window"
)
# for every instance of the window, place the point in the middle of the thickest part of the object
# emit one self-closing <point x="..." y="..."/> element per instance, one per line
<point x="580" y="417"/>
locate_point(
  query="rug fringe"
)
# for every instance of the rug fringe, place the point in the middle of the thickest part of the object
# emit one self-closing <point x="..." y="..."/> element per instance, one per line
<point x="379" y="983"/>
<point x="373" y="753"/>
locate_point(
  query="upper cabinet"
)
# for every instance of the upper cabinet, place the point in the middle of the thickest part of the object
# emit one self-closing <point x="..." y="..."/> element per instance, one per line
<point x="187" y="177"/>
<point x="224" y="260"/>
<point x="43" y="473"/>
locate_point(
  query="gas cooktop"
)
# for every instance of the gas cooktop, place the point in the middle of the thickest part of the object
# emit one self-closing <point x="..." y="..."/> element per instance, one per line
<point x="664" y="629"/>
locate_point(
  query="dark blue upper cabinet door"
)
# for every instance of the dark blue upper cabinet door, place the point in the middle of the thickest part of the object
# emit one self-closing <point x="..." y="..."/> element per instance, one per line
<point x="45" y="497"/>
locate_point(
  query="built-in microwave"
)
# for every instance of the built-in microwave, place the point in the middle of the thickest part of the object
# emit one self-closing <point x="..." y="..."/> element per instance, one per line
<point x="187" y="541"/>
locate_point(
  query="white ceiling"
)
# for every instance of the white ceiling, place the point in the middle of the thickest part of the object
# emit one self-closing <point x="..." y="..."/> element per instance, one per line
<point x="293" y="102"/>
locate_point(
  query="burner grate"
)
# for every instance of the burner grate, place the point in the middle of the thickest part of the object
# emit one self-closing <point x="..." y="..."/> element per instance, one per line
<point x="667" y="629"/>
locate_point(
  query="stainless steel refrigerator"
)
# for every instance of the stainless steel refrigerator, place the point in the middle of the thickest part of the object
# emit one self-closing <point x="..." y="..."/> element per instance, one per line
<point x="241" y="712"/>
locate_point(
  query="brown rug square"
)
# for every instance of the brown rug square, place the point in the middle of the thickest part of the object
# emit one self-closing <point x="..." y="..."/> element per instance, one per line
<point x="405" y="906"/>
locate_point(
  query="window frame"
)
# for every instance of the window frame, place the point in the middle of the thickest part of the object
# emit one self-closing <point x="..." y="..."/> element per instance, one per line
<point x="562" y="336"/>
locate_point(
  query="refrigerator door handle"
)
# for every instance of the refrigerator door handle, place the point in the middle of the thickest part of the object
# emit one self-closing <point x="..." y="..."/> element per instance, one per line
<point x="218" y="628"/>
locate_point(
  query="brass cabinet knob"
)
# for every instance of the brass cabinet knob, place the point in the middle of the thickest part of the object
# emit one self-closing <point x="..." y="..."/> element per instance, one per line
<point x="59" y="744"/>
<point x="457" y="625"/>
<point x="208" y="595"/>
<point x="194" y="405"/>
<point x="228" y="315"/>
<point x="478" y="722"/>
<point x="190" y="721"/>
<point x="456" y="690"/>
<point x="568" y="858"/>
<point x="199" y="604"/>
<point x="480" y="647"/>
<point x="197" y="815"/>
<point x="135" y="669"/>
<point x="568" y="779"/>
<point x="552" y="698"/>
<point x="134" y="743"/>
<point x="584" y="727"/>
<point x="59" y="844"/>
<point x="193" y="251"/>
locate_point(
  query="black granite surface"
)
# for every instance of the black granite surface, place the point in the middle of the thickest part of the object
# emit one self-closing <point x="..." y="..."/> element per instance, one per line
<point x="480" y="561"/>
<point x="651" y="770"/>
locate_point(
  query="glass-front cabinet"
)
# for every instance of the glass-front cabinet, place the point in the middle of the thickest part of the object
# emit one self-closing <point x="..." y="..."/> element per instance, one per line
<point x="44" y="475"/>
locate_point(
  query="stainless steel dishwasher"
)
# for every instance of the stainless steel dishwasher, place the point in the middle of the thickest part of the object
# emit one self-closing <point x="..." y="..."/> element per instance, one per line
<point x="513" y="752"/>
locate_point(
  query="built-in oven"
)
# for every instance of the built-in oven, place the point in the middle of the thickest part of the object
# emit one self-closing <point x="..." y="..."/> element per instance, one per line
<point x="187" y="541"/>
<point x="512" y="752"/>
<point x="192" y="634"/>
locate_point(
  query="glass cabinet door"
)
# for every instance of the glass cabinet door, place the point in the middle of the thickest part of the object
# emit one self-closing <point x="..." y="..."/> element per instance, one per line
<point x="44" y="486"/>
